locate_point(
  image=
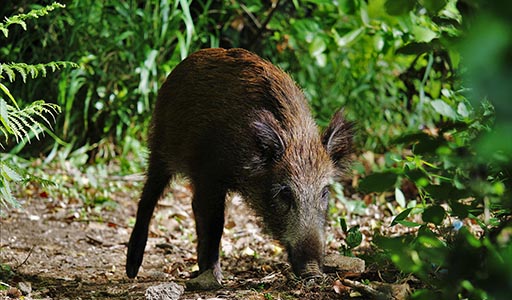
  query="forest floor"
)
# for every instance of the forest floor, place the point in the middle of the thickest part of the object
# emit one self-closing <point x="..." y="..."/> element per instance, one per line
<point x="63" y="247"/>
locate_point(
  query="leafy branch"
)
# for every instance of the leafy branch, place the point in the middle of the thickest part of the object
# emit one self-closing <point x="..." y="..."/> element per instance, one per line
<point x="33" y="14"/>
<point x="31" y="119"/>
<point x="34" y="71"/>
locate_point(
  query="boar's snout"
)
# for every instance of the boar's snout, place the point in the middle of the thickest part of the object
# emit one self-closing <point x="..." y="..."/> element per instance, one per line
<point x="306" y="257"/>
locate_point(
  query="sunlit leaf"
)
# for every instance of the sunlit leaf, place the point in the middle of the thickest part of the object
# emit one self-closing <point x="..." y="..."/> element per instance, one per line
<point x="349" y="38"/>
<point x="399" y="197"/>
<point x="462" y="110"/>
<point x="317" y="46"/>
<point x="9" y="173"/>
<point x="443" y="108"/>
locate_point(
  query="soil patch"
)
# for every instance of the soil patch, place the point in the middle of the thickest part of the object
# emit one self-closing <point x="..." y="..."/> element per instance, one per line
<point x="60" y="249"/>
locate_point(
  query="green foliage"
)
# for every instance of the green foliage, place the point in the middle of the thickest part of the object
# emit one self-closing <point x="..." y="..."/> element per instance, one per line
<point x="34" y="71"/>
<point x="458" y="183"/>
<point x="22" y="121"/>
<point x="19" y="19"/>
<point x="427" y="82"/>
<point x="353" y="238"/>
<point x="124" y="49"/>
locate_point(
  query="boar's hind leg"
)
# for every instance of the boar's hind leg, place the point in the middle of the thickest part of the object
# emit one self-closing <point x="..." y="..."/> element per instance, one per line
<point x="208" y="207"/>
<point x="157" y="180"/>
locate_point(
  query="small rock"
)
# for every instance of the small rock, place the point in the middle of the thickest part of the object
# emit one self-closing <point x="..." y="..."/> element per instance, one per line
<point x="340" y="263"/>
<point x="25" y="288"/>
<point x="394" y="291"/>
<point x="165" y="291"/>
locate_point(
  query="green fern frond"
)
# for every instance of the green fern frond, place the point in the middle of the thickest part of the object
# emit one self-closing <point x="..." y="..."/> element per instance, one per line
<point x="34" y="71"/>
<point x="17" y="129"/>
<point x="33" y="14"/>
<point x="25" y="124"/>
<point x="20" y="123"/>
<point x="8" y="173"/>
<point x="8" y="71"/>
<point x="42" y="69"/>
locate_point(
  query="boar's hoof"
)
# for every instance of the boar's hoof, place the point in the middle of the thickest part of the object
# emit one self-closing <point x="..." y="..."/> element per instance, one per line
<point x="205" y="281"/>
<point x="311" y="270"/>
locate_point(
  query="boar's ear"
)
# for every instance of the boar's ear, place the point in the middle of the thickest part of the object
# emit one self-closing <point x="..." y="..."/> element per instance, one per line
<point x="337" y="140"/>
<point x="269" y="138"/>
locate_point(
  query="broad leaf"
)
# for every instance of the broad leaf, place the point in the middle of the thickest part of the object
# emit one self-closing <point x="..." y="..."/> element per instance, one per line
<point x="349" y="38"/>
<point x="433" y="6"/>
<point x="354" y="237"/>
<point x="434" y="214"/>
<point x="378" y="182"/>
<point x="443" y="108"/>
<point x="401" y="216"/>
<point x="399" y="197"/>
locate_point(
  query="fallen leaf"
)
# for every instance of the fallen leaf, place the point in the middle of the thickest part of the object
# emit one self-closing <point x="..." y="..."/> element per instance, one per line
<point x="339" y="288"/>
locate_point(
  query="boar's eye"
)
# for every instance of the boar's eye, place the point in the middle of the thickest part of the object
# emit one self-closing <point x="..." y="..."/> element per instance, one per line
<point x="285" y="194"/>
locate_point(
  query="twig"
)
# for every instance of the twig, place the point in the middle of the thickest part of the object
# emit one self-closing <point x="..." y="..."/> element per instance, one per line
<point x="274" y="7"/>
<point x="26" y="258"/>
<point x="251" y="16"/>
<point x="365" y="289"/>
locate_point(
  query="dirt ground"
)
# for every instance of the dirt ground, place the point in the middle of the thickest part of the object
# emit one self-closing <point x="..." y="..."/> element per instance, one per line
<point x="55" y="247"/>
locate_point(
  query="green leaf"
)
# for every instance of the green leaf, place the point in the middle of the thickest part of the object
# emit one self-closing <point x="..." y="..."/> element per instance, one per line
<point x="460" y="210"/>
<point x="423" y="34"/>
<point x="399" y="197"/>
<point x="433" y="6"/>
<point x="347" y="6"/>
<point x="408" y="223"/>
<point x="317" y="46"/>
<point x="462" y="110"/>
<point x="401" y="216"/>
<point x="434" y="214"/>
<point x="354" y="237"/>
<point x="343" y="224"/>
<point x="378" y="182"/>
<point x="399" y="7"/>
<point x="4" y="116"/>
<point x="445" y="191"/>
<point x="443" y="109"/>
<point x="348" y="38"/>
<point x="10" y="173"/>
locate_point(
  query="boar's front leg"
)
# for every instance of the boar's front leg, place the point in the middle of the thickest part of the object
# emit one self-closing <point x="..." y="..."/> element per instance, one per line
<point x="208" y="206"/>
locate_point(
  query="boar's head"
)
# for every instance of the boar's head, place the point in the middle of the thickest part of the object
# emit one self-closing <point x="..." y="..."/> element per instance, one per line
<point x="295" y="166"/>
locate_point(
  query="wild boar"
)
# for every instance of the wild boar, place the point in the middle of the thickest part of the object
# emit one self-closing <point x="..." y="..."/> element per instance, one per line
<point x="231" y="121"/>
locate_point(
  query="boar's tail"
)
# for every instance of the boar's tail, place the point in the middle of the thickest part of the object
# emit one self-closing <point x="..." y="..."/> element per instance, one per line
<point x="157" y="180"/>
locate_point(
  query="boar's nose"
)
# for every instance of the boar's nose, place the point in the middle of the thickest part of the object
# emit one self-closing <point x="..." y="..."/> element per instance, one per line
<point x="306" y="256"/>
